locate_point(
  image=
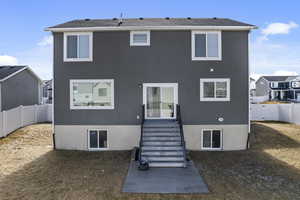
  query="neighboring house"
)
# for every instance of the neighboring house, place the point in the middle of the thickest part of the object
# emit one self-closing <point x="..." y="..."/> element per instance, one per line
<point x="105" y="70"/>
<point x="47" y="92"/>
<point x="252" y="87"/>
<point x="282" y="88"/>
<point x="19" y="86"/>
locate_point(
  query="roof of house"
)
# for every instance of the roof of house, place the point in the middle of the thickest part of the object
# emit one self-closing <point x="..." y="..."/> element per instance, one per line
<point x="279" y="78"/>
<point x="150" y="22"/>
<point x="7" y="71"/>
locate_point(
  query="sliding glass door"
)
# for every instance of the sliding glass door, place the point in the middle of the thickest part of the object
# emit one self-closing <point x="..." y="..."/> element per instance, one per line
<point x="160" y="100"/>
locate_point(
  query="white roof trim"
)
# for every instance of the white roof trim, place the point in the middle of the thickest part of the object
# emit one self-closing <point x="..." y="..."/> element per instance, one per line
<point x="122" y="28"/>
<point x="30" y="70"/>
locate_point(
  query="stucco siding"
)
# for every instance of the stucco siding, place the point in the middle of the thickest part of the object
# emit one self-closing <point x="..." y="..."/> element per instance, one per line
<point x="126" y="137"/>
<point x="20" y="89"/>
<point x="76" y="138"/>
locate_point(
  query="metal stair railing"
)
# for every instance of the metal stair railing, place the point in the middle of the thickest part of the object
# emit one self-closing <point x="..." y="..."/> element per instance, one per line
<point x="142" y="126"/>
<point x="178" y="118"/>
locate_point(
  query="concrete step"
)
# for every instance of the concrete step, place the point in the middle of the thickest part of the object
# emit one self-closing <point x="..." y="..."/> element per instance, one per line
<point x="161" y="125"/>
<point x="160" y="134"/>
<point x="163" y="130"/>
<point x="163" y="158"/>
<point x="163" y="143"/>
<point x="166" y="164"/>
<point x="162" y="148"/>
<point x="157" y="139"/>
<point x="162" y="153"/>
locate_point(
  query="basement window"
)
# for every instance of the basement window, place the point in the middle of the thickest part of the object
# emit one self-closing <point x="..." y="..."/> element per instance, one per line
<point x="78" y="47"/>
<point x="139" y="38"/>
<point x="211" y="139"/>
<point x="97" y="139"/>
<point x="206" y="45"/>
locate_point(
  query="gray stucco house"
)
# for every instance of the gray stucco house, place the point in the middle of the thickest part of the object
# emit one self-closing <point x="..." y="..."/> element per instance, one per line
<point x="164" y="84"/>
<point x="283" y="88"/>
<point x="19" y="85"/>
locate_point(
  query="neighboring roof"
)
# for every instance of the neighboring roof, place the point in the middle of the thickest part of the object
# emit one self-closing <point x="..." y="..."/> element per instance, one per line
<point x="150" y="23"/>
<point x="8" y="71"/>
<point x="278" y="78"/>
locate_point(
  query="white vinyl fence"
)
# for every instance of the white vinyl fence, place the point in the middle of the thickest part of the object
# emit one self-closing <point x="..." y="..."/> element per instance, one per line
<point x="258" y="99"/>
<point x="21" y="116"/>
<point x="277" y="112"/>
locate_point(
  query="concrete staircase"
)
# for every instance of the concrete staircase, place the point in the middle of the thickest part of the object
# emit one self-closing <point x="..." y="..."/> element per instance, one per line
<point x="161" y="144"/>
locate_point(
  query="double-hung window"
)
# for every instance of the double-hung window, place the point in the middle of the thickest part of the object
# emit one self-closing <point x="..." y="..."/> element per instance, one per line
<point x="139" y="38"/>
<point x="211" y="139"/>
<point x="215" y="89"/>
<point x="206" y="45"/>
<point x="78" y="46"/>
<point x="92" y="94"/>
<point x="97" y="139"/>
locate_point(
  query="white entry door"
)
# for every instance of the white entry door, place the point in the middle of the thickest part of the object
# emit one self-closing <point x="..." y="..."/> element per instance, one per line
<point x="160" y="100"/>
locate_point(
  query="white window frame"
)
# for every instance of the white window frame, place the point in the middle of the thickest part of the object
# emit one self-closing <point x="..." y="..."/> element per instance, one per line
<point x="202" y="80"/>
<point x="147" y="43"/>
<point x="219" y="45"/>
<point x="211" y="138"/>
<point x="88" y="140"/>
<point x="72" y="107"/>
<point x="90" y="58"/>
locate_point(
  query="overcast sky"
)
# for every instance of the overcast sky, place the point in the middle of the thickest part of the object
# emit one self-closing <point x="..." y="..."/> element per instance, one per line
<point x="274" y="47"/>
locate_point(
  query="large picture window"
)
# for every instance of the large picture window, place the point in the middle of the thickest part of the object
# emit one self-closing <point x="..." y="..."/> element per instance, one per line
<point x="215" y="89"/>
<point x="92" y="94"/>
<point x="78" y="46"/>
<point x="97" y="139"/>
<point x="211" y="139"/>
<point x="206" y="45"/>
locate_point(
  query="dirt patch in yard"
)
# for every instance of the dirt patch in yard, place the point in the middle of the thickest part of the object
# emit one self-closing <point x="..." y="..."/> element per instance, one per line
<point x="30" y="169"/>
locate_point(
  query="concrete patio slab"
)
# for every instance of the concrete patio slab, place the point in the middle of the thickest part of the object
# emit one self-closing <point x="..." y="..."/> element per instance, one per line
<point x="164" y="180"/>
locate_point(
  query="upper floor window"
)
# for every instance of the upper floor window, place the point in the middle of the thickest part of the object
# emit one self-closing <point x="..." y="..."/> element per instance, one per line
<point x="92" y="94"/>
<point x="206" y="45"/>
<point x="215" y="89"/>
<point x="78" y="46"/>
<point x="139" y="38"/>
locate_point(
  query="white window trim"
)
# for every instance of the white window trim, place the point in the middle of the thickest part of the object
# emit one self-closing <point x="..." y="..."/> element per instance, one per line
<point x="140" y="44"/>
<point x="90" y="58"/>
<point x="97" y="149"/>
<point x="202" y="80"/>
<point x="219" y="45"/>
<point x="72" y="107"/>
<point x="211" y="148"/>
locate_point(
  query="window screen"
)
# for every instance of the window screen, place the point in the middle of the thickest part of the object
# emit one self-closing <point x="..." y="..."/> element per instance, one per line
<point x="207" y="139"/>
<point x="200" y="45"/>
<point x="139" y="38"/>
<point x="93" y="139"/>
<point x="209" y="89"/>
<point x="72" y="46"/>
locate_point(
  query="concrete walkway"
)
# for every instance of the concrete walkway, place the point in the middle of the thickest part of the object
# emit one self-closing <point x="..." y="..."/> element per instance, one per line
<point x="164" y="180"/>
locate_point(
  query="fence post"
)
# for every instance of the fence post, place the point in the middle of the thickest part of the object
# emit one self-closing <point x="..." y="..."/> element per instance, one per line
<point x="4" y="123"/>
<point x="36" y="113"/>
<point x="21" y="116"/>
<point x="291" y="119"/>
